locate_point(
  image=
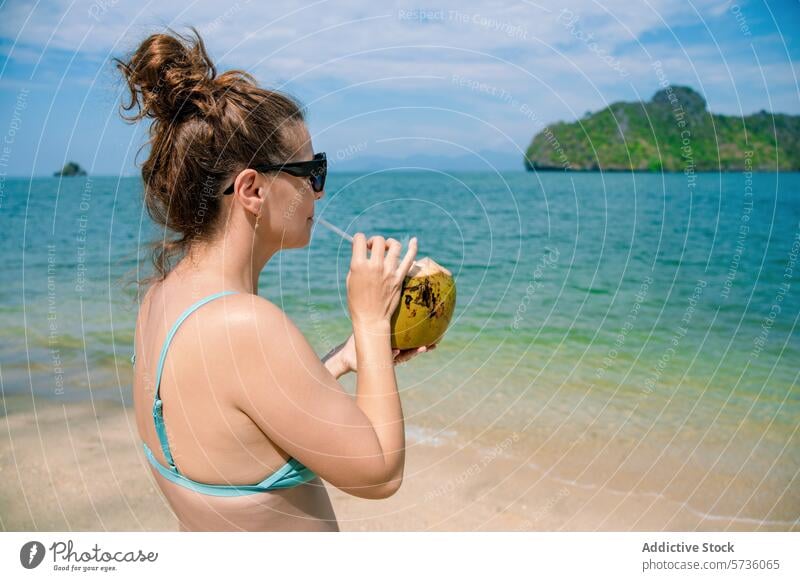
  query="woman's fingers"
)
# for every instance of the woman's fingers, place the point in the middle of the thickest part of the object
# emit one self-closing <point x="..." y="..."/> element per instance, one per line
<point x="377" y="249"/>
<point x="387" y="251"/>
<point x="403" y="355"/>
<point x="408" y="259"/>
<point x="392" y="254"/>
<point x="359" y="247"/>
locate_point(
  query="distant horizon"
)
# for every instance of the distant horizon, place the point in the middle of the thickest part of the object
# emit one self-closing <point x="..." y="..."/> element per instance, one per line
<point x="454" y="172"/>
<point x="508" y="155"/>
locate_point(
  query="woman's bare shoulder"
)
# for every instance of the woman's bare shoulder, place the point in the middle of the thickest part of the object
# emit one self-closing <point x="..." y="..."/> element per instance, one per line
<point x="246" y="307"/>
<point x="267" y="349"/>
<point x="244" y="313"/>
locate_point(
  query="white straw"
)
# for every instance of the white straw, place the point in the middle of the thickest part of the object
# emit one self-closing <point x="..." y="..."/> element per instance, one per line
<point x="344" y="234"/>
<point x="333" y="228"/>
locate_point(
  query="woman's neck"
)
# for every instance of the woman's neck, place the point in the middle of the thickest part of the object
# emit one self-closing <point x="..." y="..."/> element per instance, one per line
<point x="223" y="264"/>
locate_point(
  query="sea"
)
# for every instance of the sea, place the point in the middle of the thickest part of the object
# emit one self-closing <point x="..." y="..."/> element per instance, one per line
<point x="629" y="331"/>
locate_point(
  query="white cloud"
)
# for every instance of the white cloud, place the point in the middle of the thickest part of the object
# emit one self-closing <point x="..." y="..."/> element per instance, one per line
<point x="250" y="30"/>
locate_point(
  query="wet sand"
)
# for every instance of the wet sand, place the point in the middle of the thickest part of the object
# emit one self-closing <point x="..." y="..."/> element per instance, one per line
<point x="80" y="466"/>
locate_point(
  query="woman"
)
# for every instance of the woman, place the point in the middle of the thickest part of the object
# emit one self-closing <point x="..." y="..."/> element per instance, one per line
<point x="239" y="419"/>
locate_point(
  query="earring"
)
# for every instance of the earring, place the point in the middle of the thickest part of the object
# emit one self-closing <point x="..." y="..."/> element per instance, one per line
<point x="258" y="217"/>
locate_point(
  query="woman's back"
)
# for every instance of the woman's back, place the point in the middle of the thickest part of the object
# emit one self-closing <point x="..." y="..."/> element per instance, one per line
<point x="211" y="441"/>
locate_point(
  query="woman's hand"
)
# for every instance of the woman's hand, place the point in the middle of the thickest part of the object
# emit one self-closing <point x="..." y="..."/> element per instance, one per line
<point x="403" y="355"/>
<point x="346" y="354"/>
<point x="374" y="283"/>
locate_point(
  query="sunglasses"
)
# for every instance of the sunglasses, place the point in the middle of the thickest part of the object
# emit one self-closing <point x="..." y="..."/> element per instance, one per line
<point x="316" y="170"/>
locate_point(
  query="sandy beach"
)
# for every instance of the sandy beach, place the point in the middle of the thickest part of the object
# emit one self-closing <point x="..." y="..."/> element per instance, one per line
<point x="79" y="466"/>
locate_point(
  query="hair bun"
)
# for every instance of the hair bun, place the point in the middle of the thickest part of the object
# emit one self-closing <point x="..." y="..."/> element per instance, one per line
<point x="170" y="78"/>
<point x="206" y="129"/>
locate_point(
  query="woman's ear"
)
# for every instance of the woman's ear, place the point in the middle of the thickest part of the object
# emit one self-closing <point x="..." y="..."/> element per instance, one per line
<point x="248" y="192"/>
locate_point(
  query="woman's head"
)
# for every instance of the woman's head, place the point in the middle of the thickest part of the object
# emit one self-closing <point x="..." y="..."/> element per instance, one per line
<point x="208" y="132"/>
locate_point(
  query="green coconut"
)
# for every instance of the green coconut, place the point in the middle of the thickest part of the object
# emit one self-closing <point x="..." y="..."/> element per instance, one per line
<point x="426" y="306"/>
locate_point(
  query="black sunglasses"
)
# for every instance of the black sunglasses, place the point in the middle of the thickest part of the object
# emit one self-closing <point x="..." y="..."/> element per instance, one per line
<point x="316" y="170"/>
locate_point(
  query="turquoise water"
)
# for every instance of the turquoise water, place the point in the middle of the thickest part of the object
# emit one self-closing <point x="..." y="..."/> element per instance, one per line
<point x="651" y="312"/>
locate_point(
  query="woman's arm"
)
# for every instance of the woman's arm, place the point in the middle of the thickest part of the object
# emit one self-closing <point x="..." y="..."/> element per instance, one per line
<point x="283" y="387"/>
<point x="377" y="396"/>
<point x="335" y="362"/>
<point x="342" y="359"/>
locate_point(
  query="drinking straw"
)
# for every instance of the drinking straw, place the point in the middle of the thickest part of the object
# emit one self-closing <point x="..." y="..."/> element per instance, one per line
<point x="345" y="235"/>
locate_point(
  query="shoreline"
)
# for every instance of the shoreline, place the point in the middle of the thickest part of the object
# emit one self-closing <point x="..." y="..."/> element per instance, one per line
<point x="79" y="466"/>
<point x="615" y="170"/>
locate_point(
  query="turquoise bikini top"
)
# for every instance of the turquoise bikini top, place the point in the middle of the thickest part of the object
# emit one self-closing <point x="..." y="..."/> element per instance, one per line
<point x="293" y="473"/>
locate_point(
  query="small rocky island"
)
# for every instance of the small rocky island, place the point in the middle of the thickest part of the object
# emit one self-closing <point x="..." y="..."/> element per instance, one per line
<point x="70" y="169"/>
<point x="672" y="132"/>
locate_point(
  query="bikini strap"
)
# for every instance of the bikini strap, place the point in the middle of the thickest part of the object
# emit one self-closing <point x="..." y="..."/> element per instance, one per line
<point x="158" y="411"/>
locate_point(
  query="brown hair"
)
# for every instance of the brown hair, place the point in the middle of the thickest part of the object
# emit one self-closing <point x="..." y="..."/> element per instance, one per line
<point x="206" y="128"/>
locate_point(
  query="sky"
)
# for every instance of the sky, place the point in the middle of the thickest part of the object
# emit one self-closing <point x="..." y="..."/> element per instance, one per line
<point x="414" y="82"/>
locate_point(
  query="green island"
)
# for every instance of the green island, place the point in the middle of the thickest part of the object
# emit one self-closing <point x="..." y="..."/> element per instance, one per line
<point x="70" y="169"/>
<point x="673" y="132"/>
